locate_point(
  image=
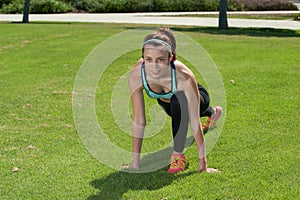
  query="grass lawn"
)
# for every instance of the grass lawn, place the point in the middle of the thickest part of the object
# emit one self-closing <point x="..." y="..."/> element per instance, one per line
<point x="257" y="152"/>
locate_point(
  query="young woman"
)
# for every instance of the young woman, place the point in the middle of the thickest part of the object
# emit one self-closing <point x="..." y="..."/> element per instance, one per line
<point x="174" y="86"/>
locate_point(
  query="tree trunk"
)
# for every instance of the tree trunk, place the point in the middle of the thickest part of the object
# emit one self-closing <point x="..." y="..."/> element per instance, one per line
<point x="26" y="11"/>
<point x="223" y="24"/>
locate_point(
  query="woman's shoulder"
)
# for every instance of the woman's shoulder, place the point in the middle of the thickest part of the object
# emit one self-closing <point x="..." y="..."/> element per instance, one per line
<point x="135" y="79"/>
<point x="183" y="69"/>
<point x="185" y="76"/>
<point x="136" y="70"/>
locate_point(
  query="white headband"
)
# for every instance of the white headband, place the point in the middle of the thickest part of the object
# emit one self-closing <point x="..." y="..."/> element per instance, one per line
<point x="160" y="42"/>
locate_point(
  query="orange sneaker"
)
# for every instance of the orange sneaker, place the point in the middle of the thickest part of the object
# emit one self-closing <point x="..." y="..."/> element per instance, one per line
<point x="177" y="163"/>
<point x="212" y="121"/>
<point x="205" y="128"/>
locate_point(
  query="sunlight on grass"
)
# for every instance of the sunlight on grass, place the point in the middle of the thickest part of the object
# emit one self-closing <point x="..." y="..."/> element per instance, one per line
<point x="42" y="156"/>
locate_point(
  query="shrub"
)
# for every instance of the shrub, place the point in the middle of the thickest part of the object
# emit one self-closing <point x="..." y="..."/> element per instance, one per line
<point x="145" y="6"/>
<point x="138" y="6"/>
<point x="49" y="6"/>
<point x="13" y="7"/>
<point x="37" y="6"/>
<point x="89" y="5"/>
<point x="211" y="5"/>
<point x="5" y="2"/>
<point x="113" y="5"/>
<point x="234" y="5"/>
<point x="261" y="5"/>
<point x="103" y="6"/>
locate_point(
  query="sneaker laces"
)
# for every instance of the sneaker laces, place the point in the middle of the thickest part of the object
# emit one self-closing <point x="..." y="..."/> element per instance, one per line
<point x="173" y="161"/>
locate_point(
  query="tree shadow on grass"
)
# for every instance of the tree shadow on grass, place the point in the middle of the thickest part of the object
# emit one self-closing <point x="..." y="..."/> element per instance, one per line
<point x="151" y="176"/>
<point x="257" y="32"/>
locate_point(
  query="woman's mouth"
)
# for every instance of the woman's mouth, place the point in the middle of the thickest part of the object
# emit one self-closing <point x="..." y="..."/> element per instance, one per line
<point x="155" y="71"/>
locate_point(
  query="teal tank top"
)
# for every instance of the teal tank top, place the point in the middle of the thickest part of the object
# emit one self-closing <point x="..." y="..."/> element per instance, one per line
<point x="164" y="95"/>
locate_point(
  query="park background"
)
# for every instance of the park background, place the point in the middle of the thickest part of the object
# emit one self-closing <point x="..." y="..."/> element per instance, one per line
<point x="109" y="6"/>
<point x="42" y="156"/>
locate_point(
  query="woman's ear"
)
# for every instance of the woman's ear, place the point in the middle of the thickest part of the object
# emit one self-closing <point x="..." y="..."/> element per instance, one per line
<point x="171" y="57"/>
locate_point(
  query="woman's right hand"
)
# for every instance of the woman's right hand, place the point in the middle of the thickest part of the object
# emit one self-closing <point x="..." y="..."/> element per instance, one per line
<point x="129" y="167"/>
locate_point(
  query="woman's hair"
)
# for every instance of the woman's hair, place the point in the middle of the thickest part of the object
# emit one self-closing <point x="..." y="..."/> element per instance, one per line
<point x="165" y="35"/>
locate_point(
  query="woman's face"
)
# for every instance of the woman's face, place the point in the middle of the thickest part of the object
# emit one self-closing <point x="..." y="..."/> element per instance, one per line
<point x="156" y="60"/>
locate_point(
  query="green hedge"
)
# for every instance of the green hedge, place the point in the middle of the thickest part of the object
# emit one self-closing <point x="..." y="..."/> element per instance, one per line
<point x="37" y="6"/>
<point x="12" y="7"/>
<point x="5" y="2"/>
<point x="104" y="6"/>
<point x="257" y="5"/>
<point x="49" y="6"/>
<point x="145" y="5"/>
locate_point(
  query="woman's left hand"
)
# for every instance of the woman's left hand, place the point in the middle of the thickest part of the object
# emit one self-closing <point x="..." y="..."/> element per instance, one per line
<point x="209" y="170"/>
<point x="212" y="170"/>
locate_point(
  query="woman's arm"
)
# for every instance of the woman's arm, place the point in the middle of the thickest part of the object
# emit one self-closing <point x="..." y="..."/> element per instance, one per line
<point x="193" y="98"/>
<point x="138" y="126"/>
<point x="139" y="119"/>
<point x="190" y="88"/>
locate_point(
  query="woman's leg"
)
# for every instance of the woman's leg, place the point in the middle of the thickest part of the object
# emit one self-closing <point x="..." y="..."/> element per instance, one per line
<point x="178" y="110"/>
<point x="213" y="113"/>
<point x="205" y="109"/>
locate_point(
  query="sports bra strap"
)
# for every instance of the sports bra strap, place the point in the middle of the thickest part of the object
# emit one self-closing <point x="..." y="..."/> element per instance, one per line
<point x="164" y="95"/>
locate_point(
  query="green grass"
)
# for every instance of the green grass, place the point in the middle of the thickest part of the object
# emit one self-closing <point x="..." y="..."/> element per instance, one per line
<point x="257" y="152"/>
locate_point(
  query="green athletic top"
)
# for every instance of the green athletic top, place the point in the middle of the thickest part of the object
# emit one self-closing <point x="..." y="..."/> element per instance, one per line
<point x="164" y="95"/>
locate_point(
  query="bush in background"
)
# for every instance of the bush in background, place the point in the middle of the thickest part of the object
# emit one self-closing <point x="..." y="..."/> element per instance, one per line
<point x="37" y="6"/>
<point x="260" y="5"/>
<point x="145" y="5"/>
<point x="89" y="6"/>
<point x="6" y="2"/>
<point x="105" y="6"/>
<point x="49" y="6"/>
<point x="12" y="6"/>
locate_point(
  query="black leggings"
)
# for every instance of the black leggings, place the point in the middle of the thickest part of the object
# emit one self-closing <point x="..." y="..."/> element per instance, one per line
<point x="178" y="110"/>
<point x="205" y="109"/>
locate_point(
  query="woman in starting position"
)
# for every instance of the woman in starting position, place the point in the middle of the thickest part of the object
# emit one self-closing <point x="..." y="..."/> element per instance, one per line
<point x="174" y="86"/>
